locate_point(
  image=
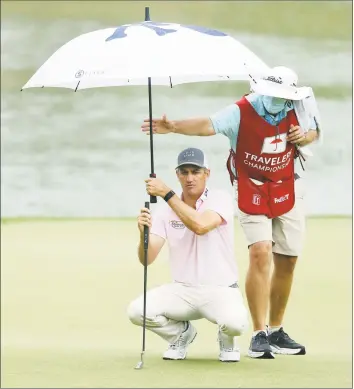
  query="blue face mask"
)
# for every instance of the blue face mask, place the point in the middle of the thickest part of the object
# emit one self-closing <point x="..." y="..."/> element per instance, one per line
<point x="273" y="104"/>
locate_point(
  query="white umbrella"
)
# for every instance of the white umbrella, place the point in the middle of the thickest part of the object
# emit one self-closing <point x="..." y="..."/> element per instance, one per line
<point x="169" y="53"/>
<point x="147" y="53"/>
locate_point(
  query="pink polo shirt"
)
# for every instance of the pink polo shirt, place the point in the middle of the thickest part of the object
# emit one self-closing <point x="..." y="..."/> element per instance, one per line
<point x="200" y="259"/>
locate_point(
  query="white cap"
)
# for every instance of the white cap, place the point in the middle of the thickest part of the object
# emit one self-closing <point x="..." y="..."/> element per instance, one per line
<point x="280" y="82"/>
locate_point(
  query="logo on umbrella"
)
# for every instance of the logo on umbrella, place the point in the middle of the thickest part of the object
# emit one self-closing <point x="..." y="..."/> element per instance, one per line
<point x="79" y="73"/>
<point x="120" y="32"/>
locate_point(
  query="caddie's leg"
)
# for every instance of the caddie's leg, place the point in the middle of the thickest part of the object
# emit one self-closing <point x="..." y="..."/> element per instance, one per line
<point x="257" y="282"/>
<point x="258" y="232"/>
<point x="281" y="283"/>
<point x="288" y="235"/>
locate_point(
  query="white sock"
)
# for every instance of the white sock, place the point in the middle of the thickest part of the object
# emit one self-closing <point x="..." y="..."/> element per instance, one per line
<point x="273" y="329"/>
<point x="257" y="332"/>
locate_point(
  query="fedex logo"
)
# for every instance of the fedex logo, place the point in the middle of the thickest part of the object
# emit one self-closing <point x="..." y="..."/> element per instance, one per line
<point x="281" y="199"/>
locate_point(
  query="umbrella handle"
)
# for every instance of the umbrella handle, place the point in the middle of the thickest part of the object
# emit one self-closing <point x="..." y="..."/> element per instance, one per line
<point x="153" y="199"/>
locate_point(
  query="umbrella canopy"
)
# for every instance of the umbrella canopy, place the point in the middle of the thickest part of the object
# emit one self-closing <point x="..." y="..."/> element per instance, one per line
<point x="169" y="53"/>
<point x="148" y="53"/>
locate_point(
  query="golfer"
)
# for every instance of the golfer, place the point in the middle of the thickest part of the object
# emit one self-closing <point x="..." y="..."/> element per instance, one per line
<point x="198" y="227"/>
<point x="265" y="138"/>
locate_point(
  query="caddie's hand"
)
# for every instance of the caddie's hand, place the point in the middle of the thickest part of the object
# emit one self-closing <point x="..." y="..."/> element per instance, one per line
<point x="296" y="134"/>
<point x="159" y="126"/>
<point x="155" y="187"/>
<point x="144" y="219"/>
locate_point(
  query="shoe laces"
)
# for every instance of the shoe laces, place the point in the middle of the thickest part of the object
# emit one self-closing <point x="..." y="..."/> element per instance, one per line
<point x="282" y="334"/>
<point x="229" y="348"/>
<point x="261" y="338"/>
<point x="176" y="345"/>
<point x="180" y="342"/>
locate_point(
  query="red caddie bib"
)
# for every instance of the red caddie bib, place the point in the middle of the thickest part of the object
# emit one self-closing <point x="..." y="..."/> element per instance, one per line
<point x="262" y="153"/>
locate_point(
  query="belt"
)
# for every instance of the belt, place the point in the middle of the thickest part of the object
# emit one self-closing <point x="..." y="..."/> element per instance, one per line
<point x="235" y="285"/>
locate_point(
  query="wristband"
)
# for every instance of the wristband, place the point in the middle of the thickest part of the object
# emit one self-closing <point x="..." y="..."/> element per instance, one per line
<point x="169" y="195"/>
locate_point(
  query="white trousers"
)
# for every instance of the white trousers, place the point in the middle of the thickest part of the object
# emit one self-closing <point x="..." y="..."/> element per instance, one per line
<point x="169" y="306"/>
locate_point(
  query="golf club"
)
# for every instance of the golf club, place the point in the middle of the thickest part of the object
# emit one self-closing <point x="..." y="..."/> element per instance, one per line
<point x="140" y="364"/>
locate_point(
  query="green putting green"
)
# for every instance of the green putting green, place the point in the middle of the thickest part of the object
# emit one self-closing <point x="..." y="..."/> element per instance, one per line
<point x="66" y="286"/>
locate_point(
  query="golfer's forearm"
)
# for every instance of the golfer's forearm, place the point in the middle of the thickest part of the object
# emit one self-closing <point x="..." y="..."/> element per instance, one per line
<point x="311" y="136"/>
<point x="150" y="257"/>
<point x="196" y="127"/>
<point x="189" y="216"/>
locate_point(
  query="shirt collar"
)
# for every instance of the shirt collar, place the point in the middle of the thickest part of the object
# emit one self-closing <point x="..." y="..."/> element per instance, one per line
<point x="201" y="199"/>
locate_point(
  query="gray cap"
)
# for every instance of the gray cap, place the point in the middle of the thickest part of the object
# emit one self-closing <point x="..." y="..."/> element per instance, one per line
<point x="192" y="156"/>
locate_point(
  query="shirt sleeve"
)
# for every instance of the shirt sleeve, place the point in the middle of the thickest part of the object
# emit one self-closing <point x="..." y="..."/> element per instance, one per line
<point x="158" y="226"/>
<point x="313" y="124"/>
<point x="222" y="203"/>
<point x="227" y="121"/>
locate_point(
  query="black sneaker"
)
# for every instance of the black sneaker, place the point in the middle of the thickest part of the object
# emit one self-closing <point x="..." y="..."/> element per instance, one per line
<point x="281" y="343"/>
<point x="259" y="347"/>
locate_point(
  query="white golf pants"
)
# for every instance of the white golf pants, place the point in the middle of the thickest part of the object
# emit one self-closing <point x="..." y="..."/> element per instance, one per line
<point x="169" y="306"/>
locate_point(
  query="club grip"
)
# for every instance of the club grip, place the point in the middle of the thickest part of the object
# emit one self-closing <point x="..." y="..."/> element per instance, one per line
<point x="153" y="199"/>
<point x="146" y="230"/>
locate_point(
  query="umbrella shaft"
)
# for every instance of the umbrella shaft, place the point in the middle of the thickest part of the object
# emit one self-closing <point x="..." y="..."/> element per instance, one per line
<point x="151" y="134"/>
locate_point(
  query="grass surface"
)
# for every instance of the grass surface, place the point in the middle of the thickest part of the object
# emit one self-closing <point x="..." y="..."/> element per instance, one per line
<point x="65" y="289"/>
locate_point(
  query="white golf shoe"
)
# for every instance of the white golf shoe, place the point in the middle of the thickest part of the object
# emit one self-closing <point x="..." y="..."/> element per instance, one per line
<point x="178" y="349"/>
<point x="229" y="352"/>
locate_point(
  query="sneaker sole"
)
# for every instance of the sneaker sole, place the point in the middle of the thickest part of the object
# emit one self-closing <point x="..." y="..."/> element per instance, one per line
<point x="288" y="351"/>
<point x="229" y="360"/>
<point x="185" y="354"/>
<point x="235" y="358"/>
<point x="260" y="354"/>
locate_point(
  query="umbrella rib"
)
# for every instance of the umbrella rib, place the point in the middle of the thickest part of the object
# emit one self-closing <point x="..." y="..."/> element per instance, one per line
<point x="253" y="79"/>
<point x="77" y="86"/>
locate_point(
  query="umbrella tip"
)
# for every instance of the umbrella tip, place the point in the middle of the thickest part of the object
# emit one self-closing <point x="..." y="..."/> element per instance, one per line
<point x="147" y="14"/>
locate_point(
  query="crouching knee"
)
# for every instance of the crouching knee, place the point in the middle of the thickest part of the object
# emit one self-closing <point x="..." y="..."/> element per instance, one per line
<point x="154" y="318"/>
<point x="135" y="312"/>
<point x="234" y="326"/>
